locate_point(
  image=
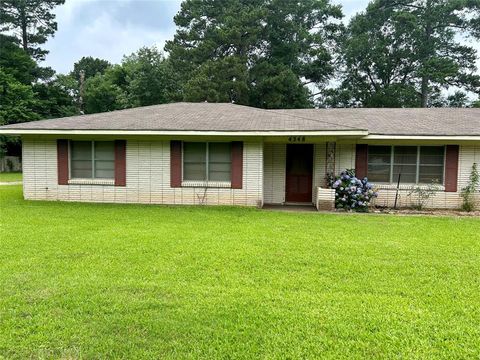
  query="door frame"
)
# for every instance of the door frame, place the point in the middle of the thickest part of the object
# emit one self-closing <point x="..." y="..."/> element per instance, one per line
<point x="312" y="170"/>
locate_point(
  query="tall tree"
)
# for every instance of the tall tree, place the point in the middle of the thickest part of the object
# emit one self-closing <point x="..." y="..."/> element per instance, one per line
<point x="149" y="78"/>
<point x="442" y="60"/>
<point x="143" y="78"/>
<point x="403" y="53"/>
<point x="17" y="100"/>
<point x="102" y="94"/>
<point x="32" y="22"/>
<point x="256" y="52"/>
<point x="90" y="66"/>
<point x="17" y="62"/>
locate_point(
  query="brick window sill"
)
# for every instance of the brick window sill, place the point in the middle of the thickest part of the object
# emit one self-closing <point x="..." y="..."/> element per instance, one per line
<point x="207" y="184"/>
<point x="91" y="182"/>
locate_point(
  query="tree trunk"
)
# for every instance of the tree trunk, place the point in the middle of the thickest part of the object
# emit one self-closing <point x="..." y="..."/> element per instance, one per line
<point x="424" y="96"/>
<point x="24" y="29"/>
<point x="428" y="53"/>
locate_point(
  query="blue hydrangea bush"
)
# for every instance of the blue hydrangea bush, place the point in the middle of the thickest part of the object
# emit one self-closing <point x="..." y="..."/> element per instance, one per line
<point x="352" y="193"/>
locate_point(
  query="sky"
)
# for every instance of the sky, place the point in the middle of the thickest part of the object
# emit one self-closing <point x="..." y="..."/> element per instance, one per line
<point x="109" y="29"/>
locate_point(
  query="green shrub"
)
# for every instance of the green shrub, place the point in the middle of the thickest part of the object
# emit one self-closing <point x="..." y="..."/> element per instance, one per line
<point x="469" y="191"/>
<point x="423" y="194"/>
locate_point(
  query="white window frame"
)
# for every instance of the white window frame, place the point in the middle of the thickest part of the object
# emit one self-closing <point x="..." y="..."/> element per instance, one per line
<point x="417" y="175"/>
<point x="207" y="182"/>
<point x="92" y="179"/>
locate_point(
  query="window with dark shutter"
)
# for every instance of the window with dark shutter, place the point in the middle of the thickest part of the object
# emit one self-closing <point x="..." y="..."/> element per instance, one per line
<point x="92" y="159"/>
<point x="413" y="164"/>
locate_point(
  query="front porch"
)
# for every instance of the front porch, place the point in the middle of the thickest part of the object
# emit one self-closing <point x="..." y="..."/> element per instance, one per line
<point x="296" y="174"/>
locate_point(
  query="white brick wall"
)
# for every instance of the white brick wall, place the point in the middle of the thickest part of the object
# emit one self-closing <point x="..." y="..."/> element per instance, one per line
<point x="319" y="158"/>
<point x="445" y="200"/>
<point x="344" y="157"/>
<point x="274" y="159"/>
<point x="148" y="178"/>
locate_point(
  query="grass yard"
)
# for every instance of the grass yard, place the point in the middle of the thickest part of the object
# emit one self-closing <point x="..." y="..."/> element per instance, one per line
<point x="10" y="177"/>
<point x="131" y="281"/>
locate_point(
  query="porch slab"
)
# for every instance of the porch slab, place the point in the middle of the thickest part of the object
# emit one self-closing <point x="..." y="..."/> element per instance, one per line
<point x="290" y="208"/>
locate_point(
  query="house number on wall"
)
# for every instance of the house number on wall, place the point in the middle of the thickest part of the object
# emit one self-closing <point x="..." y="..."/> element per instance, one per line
<point x="296" y="139"/>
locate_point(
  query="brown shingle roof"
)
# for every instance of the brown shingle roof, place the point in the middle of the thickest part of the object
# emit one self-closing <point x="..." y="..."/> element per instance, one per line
<point x="431" y="121"/>
<point x="237" y="118"/>
<point x="185" y="117"/>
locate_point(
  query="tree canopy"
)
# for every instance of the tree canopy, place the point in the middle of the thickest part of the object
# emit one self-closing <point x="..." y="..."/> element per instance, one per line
<point x="403" y="53"/>
<point x="90" y="66"/>
<point x="259" y="53"/>
<point x="32" y="22"/>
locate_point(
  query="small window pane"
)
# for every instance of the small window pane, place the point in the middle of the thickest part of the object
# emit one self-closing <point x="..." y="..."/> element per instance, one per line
<point x="104" y="169"/>
<point x="379" y="155"/>
<point x="104" y="160"/>
<point x="219" y="166"/>
<point x="194" y="171"/>
<point x="405" y="155"/>
<point x="408" y="173"/>
<point x="104" y="150"/>
<point x="81" y="159"/>
<point x="405" y="164"/>
<point x="194" y="161"/>
<point x="81" y="150"/>
<point x="219" y="152"/>
<point x="431" y="155"/>
<point x="379" y="158"/>
<point x="379" y="173"/>
<point x="219" y="172"/>
<point x="429" y="174"/>
<point x="431" y="164"/>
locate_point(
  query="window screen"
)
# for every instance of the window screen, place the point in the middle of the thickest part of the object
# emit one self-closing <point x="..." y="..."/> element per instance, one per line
<point x="415" y="164"/>
<point x="195" y="161"/>
<point x="207" y="161"/>
<point x="104" y="160"/>
<point x="81" y="159"/>
<point x="219" y="161"/>
<point x="92" y="159"/>
<point x="379" y="163"/>
<point x="431" y="164"/>
<point x="405" y="163"/>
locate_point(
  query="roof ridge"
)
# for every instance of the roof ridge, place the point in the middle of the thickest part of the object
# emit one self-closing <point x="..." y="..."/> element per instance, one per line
<point x="277" y="111"/>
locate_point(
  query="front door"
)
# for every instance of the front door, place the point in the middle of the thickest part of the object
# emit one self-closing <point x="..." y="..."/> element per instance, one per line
<point x="299" y="169"/>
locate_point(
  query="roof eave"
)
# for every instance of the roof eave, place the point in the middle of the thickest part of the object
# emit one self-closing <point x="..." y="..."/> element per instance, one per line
<point x="354" y="133"/>
<point x="422" y="137"/>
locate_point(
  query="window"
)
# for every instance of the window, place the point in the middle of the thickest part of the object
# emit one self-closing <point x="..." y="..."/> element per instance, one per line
<point x="207" y="161"/>
<point x="379" y="159"/>
<point x="405" y="163"/>
<point x="92" y="160"/>
<point x="415" y="164"/>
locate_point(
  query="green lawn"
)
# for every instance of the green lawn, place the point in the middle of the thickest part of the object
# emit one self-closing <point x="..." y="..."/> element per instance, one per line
<point x="10" y="177"/>
<point x="131" y="281"/>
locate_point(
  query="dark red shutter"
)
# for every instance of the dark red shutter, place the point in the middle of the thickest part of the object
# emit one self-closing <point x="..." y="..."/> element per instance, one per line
<point x="451" y="168"/>
<point x="120" y="163"/>
<point x="361" y="161"/>
<point x="175" y="163"/>
<point x="237" y="165"/>
<point x="62" y="161"/>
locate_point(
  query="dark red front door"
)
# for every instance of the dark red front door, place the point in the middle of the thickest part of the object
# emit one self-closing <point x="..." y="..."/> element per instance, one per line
<point x="299" y="173"/>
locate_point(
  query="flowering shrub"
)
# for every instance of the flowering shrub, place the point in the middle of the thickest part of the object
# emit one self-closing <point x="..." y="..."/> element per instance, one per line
<point x="352" y="193"/>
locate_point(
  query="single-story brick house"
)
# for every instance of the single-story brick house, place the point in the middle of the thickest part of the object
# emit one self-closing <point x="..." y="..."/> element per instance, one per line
<point x="203" y="153"/>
